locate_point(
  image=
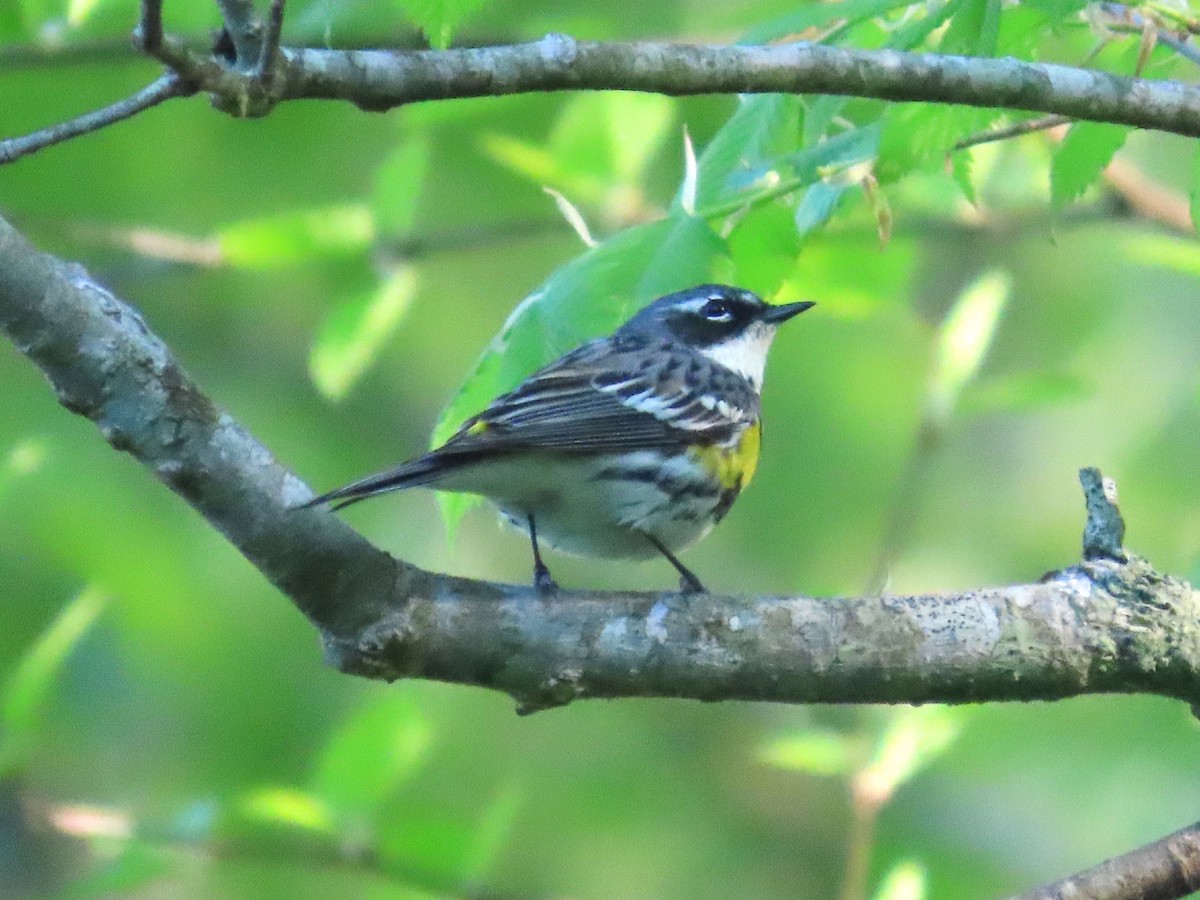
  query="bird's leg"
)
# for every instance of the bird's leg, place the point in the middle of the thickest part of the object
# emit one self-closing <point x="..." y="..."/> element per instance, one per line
<point x="688" y="582"/>
<point x="541" y="575"/>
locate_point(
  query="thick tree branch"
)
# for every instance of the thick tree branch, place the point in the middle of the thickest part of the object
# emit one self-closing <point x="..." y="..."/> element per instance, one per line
<point x="380" y="80"/>
<point x="1105" y="625"/>
<point x="1164" y="870"/>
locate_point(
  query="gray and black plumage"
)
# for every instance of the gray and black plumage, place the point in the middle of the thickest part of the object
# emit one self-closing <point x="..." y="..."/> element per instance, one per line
<point x="626" y="447"/>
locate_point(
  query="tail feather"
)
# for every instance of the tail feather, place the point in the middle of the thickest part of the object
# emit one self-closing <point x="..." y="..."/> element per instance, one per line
<point x="423" y="470"/>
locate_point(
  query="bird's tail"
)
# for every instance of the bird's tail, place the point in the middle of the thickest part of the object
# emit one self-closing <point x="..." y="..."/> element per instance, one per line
<point x="423" y="470"/>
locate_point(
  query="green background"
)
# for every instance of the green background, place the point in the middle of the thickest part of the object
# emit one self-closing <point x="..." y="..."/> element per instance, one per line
<point x="196" y="709"/>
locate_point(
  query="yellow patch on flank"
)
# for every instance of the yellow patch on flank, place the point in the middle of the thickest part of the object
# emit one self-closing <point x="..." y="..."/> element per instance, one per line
<point x="478" y="428"/>
<point x="733" y="467"/>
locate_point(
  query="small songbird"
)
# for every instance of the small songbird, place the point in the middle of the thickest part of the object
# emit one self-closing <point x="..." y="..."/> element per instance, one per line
<point x="629" y="446"/>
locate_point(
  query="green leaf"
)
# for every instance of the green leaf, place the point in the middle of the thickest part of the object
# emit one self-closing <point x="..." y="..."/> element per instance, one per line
<point x="921" y="134"/>
<point x="370" y="755"/>
<point x="818" y="15"/>
<point x="761" y="129"/>
<point x="817" y="206"/>
<point x="28" y="689"/>
<point x="356" y="330"/>
<point x="1022" y="392"/>
<point x="1194" y="194"/>
<point x="282" y="821"/>
<point x="1081" y="158"/>
<point x="439" y="19"/>
<point x="906" y="880"/>
<point x="491" y="834"/>
<point x="398" y="184"/>
<point x="600" y="146"/>
<point x="588" y="297"/>
<point x="963" y="341"/>
<point x="297" y="237"/>
<point x="914" y="737"/>
<point x="814" y="752"/>
<point x="960" y="168"/>
<point x="1163" y="250"/>
<point x="133" y="868"/>
<point x="973" y="29"/>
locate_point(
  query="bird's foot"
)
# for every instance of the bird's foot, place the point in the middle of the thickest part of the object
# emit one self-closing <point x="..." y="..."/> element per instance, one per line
<point x="543" y="583"/>
<point x="690" y="584"/>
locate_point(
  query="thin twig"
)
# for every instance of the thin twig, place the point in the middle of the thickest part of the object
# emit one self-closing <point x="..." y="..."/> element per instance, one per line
<point x="1017" y="129"/>
<point x="163" y="88"/>
<point x="1165" y="870"/>
<point x="150" y="28"/>
<point x="269" y="51"/>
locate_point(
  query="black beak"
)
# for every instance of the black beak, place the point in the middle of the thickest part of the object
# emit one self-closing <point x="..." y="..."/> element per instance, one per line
<point x="774" y="315"/>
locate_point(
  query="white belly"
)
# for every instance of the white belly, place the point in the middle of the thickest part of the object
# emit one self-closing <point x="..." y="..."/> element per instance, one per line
<point x="585" y="509"/>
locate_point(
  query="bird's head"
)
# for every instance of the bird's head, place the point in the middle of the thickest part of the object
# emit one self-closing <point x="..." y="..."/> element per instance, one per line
<point x="731" y="326"/>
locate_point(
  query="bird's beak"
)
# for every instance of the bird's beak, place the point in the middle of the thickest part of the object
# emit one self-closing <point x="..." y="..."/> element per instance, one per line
<point x="777" y="314"/>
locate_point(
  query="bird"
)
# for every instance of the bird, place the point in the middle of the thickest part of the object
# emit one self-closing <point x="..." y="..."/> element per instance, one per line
<point x="630" y="446"/>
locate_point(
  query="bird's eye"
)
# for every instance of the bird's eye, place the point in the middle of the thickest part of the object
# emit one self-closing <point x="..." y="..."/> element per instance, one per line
<point x="717" y="309"/>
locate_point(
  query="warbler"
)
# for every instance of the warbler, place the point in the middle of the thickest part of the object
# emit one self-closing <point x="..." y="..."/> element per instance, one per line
<point x="627" y="447"/>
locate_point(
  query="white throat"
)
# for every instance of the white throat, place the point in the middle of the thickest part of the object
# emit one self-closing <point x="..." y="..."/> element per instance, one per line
<point x="745" y="354"/>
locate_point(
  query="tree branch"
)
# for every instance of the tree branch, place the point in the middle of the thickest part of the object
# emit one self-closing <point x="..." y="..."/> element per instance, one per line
<point x="380" y="80"/>
<point x="1104" y="625"/>
<point x="1164" y="870"/>
<point x="163" y="88"/>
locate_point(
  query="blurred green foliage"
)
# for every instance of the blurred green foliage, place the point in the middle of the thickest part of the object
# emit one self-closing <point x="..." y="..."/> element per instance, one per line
<point x="345" y="283"/>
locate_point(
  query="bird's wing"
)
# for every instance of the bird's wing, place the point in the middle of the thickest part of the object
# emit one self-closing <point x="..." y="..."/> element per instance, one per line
<point x="611" y="396"/>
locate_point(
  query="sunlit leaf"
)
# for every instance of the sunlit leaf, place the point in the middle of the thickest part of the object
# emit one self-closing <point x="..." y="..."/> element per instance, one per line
<point x="292" y="238"/>
<point x="78" y="11"/>
<point x="356" y="330"/>
<point x="1082" y="157"/>
<point x="814" y="752"/>
<point x="691" y="176"/>
<point x="964" y="339"/>
<point x="398" y="183"/>
<point x="636" y="125"/>
<point x="286" y="806"/>
<point x="28" y="688"/>
<point x="372" y="754"/>
<point x="439" y="19"/>
<point x="904" y="881"/>
<point x="1022" y="392"/>
<point x="1163" y="250"/>
<point x="136" y="865"/>
<point x="599" y="148"/>
<point x="914" y="737"/>
<point x="573" y="216"/>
